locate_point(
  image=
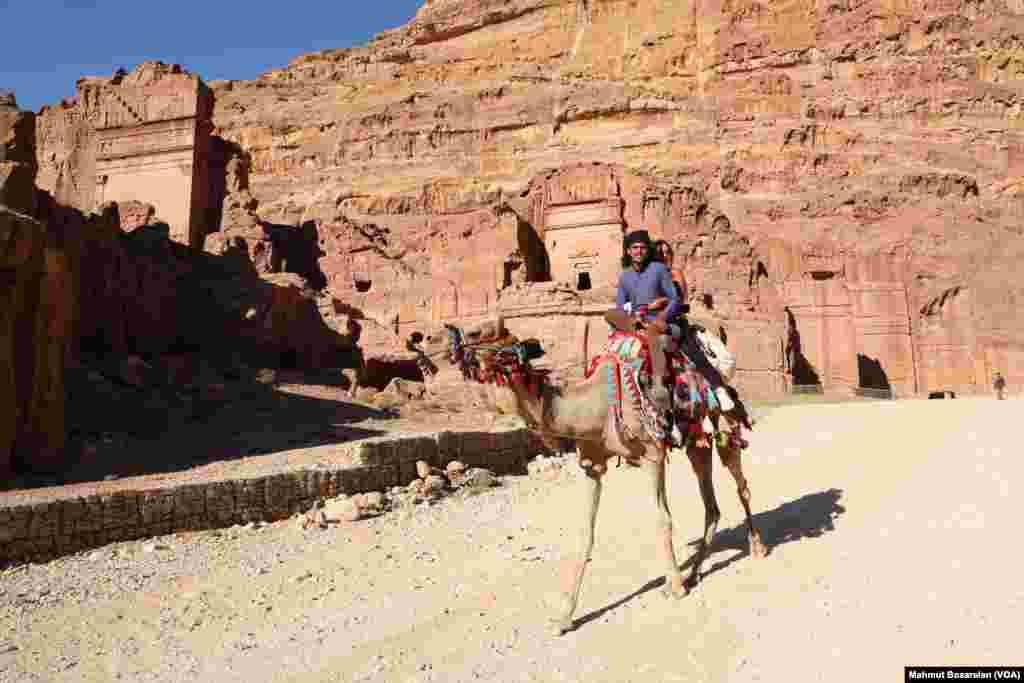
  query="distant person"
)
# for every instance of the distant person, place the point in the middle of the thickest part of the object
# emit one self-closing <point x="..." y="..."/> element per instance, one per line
<point x="423" y="361"/>
<point x="355" y="331"/>
<point x="999" y="384"/>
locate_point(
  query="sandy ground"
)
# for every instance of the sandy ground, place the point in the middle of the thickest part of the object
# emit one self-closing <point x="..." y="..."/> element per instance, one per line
<point x="894" y="540"/>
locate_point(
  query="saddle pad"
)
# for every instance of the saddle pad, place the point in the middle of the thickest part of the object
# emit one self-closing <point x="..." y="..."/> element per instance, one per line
<point x="629" y="375"/>
<point x="694" y="395"/>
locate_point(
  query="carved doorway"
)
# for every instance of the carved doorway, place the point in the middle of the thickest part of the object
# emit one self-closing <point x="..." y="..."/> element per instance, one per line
<point x="583" y="241"/>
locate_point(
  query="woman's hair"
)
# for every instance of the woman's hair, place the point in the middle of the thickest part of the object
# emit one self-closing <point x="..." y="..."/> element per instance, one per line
<point x="677" y="273"/>
<point x="662" y="244"/>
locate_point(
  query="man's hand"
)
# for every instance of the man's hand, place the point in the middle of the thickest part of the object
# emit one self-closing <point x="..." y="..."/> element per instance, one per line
<point x="658" y="325"/>
<point x="658" y="304"/>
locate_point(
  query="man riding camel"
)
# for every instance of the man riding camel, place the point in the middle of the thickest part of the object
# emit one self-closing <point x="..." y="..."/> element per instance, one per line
<point x="648" y="299"/>
<point x="642" y="282"/>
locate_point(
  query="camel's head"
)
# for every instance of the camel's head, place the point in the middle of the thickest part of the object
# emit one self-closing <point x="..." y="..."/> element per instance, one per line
<point x="501" y="362"/>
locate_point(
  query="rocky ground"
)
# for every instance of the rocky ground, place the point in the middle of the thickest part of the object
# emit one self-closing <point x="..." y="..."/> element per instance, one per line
<point x="891" y="526"/>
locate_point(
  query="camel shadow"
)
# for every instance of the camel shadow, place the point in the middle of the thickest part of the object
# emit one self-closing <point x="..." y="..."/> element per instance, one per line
<point x="809" y="516"/>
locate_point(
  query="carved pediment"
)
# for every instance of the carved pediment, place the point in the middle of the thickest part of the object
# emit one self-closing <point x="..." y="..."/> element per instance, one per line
<point x="583" y="214"/>
<point x="582" y="184"/>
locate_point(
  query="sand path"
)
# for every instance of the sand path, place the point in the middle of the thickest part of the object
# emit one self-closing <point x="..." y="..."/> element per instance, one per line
<point x="892" y="527"/>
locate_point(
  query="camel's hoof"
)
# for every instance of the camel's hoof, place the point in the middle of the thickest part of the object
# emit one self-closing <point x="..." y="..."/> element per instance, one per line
<point x="675" y="589"/>
<point x="559" y="627"/>
<point x="758" y="549"/>
<point x="670" y="594"/>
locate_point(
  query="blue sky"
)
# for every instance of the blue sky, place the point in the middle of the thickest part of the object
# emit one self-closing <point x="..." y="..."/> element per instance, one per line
<point x="46" y="45"/>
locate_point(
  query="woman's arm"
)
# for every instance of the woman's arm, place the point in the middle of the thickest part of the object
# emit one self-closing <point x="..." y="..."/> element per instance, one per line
<point x="680" y="279"/>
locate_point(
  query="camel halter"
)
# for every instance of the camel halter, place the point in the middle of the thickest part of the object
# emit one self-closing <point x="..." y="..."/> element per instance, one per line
<point x="502" y="365"/>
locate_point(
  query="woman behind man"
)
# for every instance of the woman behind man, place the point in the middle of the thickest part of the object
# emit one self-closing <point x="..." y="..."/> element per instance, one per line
<point x="664" y="253"/>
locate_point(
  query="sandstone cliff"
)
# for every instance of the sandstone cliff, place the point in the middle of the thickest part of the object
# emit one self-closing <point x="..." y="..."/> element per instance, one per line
<point x="79" y="286"/>
<point x="856" y="154"/>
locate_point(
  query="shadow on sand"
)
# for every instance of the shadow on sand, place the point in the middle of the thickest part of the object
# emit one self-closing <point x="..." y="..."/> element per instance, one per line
<point x="148" y="433"/>
<point x="809" y="516"/>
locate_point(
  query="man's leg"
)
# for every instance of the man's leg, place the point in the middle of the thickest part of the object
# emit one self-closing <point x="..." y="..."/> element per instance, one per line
<point x="624" y="322"/>
<point x="620" y="320"/>
<point x="657" y="343"/>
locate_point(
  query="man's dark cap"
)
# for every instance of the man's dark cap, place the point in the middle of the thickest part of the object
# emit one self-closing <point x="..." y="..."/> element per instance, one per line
<point x="634" y="237"/>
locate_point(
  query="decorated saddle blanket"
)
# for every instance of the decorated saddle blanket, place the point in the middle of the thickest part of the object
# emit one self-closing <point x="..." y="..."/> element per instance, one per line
<point x="693" y="397"/>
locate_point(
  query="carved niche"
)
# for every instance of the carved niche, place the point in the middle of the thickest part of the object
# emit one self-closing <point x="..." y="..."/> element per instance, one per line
<point x="583" y="226"/>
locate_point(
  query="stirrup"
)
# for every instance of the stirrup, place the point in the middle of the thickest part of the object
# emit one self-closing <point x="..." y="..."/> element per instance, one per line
<point x="724" y="400"/>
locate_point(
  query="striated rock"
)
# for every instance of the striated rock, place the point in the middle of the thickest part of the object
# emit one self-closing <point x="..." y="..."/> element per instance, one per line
<point x="22" y="241"/>
<point x="17" y="157"/>
<point x="76" y="284"/>
<point x="444" y="164"/>
<point x="836" y="180"/>
<point x="32" y="317"/>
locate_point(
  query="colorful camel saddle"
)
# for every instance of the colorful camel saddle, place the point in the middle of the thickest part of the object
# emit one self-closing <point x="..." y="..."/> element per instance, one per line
<point x="694" y="403"/>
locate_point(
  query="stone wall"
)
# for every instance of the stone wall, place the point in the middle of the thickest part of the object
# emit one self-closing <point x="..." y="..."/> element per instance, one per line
<point x="50" y="525"/>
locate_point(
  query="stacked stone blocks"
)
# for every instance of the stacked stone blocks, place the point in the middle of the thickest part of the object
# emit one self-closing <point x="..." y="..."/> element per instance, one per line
<point x="41" y="530"/>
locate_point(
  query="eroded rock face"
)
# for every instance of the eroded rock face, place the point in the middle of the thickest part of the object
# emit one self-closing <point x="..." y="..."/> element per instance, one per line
<point x="837" y="169"/>
<point x="17" y="156"/>
<point x="877" y="141"/>
<point x="22" y="242"/>
<point x="118" y="288"/>
<point x="26" y="292"/>
<point x="139" y="134"/>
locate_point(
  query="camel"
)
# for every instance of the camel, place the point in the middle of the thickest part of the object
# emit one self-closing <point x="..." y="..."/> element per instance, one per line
<point x="581" y="412"/>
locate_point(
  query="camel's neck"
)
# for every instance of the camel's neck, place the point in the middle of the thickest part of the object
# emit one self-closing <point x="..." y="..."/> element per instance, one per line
<point x="576" y="412"/>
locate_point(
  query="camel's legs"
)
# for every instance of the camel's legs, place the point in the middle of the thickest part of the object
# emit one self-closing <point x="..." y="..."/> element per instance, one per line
<point x="732" y="461"/>
<point x="673" y="577"/>
<point x="700" y="460"/>
<point x="594" y="469"/>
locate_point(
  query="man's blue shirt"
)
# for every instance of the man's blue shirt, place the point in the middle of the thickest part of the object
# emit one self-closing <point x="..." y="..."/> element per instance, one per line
<point x="641" y="289"/>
